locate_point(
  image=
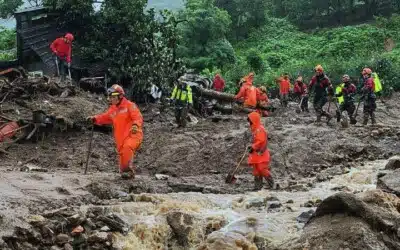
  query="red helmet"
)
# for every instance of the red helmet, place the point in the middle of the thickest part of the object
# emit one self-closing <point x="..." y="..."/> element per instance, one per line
<point x="115" y="90"/>
<point x="69" y="37"/>
<point x="367" y="71"/>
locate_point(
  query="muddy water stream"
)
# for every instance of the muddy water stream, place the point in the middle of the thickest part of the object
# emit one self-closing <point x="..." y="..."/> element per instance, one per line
<point x="266" y="213"/>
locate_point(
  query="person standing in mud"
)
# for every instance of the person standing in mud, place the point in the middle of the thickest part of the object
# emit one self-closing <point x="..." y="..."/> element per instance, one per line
<point x="62" y="49"/>
<point x="345" y="93"/>
<point x="259" y="156"/>
<point x="284" y="89"/>
<point x="322" y="88"/>
<point x="300" y="90"/>
<point x="183" y="100"/>
<point x="369" y="97"/>
<point x="127" y="122"/>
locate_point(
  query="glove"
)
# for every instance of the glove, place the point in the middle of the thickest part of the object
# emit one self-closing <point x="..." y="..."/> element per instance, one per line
<point x="250" y="149"/>
<point x="135" y="129"/>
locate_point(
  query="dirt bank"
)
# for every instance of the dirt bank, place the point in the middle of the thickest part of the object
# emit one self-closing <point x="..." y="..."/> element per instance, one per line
<point x="194" y="159"/>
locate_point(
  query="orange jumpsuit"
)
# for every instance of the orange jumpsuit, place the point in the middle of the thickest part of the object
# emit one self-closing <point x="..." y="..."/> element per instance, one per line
<point x="262" y="100"/>
<point x="123" y="117"/>
<point x="248" y="92"/>
<point x="259" y="159"/>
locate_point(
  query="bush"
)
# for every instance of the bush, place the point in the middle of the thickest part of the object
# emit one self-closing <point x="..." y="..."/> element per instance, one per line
<point x="255" y="61"/>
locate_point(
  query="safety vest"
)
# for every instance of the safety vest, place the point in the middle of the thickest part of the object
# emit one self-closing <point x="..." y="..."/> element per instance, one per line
<point x="378" y="84"/>
<point x="182" y="94"/>
<point x="338" y="91"/>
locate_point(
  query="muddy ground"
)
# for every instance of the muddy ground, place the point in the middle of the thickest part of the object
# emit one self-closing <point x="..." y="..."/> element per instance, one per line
<point x="194" y="159"/>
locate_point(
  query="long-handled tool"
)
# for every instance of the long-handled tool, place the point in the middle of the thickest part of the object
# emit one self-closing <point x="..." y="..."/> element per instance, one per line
<point x="58" y="69"/>
<point x="231" y="176"/>
<point x="298" y="110"/>
<point x="69" y="74"/>
<point x="354" y="120"/>
<point x="89" y="149"/>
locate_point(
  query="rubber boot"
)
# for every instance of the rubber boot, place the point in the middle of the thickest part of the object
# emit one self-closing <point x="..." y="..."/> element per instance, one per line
<point x="258" y="183"/>
<point x="318" y="118"/>
<point x="270" y="182"/>
<point x="373" y="118"/>
<point x="365" y="121"/>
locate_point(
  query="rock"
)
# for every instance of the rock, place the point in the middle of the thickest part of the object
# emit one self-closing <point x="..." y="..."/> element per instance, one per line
<point x="227" y="241"/>
<point x="55" y="248"/>
<point x="162" y="177"/>
<point x="390" y="182"/>
<point x="290" y="202"/>
<point x="61" y="239"/>
<point x="105" y="229"/>
<point x="273" y="204"/>
<point x="68" y="247"/>
<point x="322" y="177"/>
<point x="305" y="216"/>
<point x="115" y="222"/>
<point x="309" y="204"/>
<point x="98" y="237"/>
<point x="181" y="225"/>
<point x="341" y="188"/>
<point x="375" y="133"/>
<point x="393" y="163"/>
<point x="76" y="219"/>
<point x="90" y="224"/>
<point x="185" y="187"/>
<point x="254" y="202"/>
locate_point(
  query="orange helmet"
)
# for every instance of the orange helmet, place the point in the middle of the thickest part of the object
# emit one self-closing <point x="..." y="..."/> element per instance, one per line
<point x="319" y="68"/>
<point x="69" y="37"/>
<point x="115" y="90"/>
<point x="367" y="71"/>
<point x="263" y="89"/>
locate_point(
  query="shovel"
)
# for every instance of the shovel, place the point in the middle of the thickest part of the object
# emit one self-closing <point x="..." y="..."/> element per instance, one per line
<point x="298" y="110"/>
<point x="231" y="176"/>
<point x="69" y="74"/>
<point x="89" y="149"/>
<point x="354" y="120"/>
<point x="58" y="69"/>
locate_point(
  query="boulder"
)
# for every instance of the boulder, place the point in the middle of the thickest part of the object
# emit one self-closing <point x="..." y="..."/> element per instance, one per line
<point x="181" y="225"/>
<point x="227" y="241"/>
<point x="367" y="221"/>
<point x="62" y="239"/>
<point x="390" y="182"/>
<point x="98" y="237"/>
<point x="393" y="163"/>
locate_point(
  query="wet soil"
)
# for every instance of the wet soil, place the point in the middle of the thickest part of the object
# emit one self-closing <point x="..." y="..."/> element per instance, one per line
<point x="194" y="159"/>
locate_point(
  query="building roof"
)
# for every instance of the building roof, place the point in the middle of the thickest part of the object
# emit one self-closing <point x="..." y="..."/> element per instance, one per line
<point x="30" y="9"/>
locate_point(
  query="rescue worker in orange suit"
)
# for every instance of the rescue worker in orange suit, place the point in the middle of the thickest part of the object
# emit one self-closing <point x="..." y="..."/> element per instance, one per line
<point x="218" y="83"/>
<point x="284" y="89"/>
<point x="322" y="88"/>
<point x="301" y="92"/>
<point x="369" y="96"/>
<point x="259" y="156"/>
<point x="262" y="100"/>
<point x="248" y="92"/>
<point x="127" y="122"/>
<point x="62" y="49"/>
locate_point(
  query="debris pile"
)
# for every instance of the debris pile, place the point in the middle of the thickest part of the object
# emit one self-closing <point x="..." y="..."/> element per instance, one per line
<point x="68" y="228"/>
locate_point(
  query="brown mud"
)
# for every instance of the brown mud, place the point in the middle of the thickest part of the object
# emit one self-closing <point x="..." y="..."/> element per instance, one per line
<point x="172" y="160"/>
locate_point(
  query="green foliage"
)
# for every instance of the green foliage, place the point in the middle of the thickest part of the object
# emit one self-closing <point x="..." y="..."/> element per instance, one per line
<point x="8" y="7"/>
<point x="203" y="33"/>
<point x="8" y="44"/>
<point x="245" y="15"/>
<point x="255" y="61"/>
